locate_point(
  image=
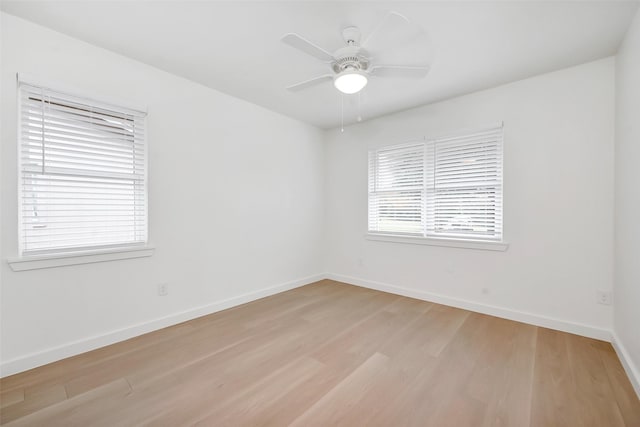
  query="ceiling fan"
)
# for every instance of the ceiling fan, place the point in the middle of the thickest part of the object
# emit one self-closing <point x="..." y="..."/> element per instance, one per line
<point x="352" y="65"/>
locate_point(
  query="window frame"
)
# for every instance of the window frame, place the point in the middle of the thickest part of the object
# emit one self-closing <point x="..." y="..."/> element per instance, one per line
<point x="425" y="238"/>
<point x="45" y="258"/>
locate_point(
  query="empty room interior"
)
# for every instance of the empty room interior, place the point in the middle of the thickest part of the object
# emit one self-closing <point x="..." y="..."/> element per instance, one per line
<point x="320" y="213"/>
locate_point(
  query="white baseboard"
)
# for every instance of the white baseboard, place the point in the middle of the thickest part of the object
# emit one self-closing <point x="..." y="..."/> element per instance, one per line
<point x="630" y="368"/>
<point x="519" y="316"/>
<point x="34" y="360"/>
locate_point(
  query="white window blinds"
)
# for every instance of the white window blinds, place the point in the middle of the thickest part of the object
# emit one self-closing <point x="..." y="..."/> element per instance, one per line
<point x="447" y="187"/>
<point x="396" y="189"/>
<point x="82" y="173"/>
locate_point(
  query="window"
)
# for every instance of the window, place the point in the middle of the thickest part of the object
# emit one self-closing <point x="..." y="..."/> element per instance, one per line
<point x="441" y="188"/>
<point x="82" y="169"/>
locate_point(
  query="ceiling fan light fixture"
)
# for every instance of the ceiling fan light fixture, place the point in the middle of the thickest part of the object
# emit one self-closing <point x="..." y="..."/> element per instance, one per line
<point x="350" y="81"/>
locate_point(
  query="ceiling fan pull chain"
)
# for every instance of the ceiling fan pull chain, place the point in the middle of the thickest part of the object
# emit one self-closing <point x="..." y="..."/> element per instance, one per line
<point x="341" y="112"/>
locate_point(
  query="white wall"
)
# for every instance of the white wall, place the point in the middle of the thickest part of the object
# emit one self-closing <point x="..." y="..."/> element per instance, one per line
<point x="235" y="205"/>
<point x="558" y="181"/>
<point x="627" y="201"/>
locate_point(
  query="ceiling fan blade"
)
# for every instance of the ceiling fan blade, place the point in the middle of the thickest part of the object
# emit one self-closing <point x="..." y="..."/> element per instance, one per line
<point x="308" y="83"/>
<point x="399" y="71"/>
<point x="306" y="46"/>
<point x="390" y="24"/>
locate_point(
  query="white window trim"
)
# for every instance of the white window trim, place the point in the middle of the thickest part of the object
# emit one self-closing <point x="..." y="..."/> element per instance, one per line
<point x="81" y="93"/>
<point x="81" y="255"/>
<point x="60" y="259"/>
<point x="484" y="245"/>
<point x="488" y="245"/>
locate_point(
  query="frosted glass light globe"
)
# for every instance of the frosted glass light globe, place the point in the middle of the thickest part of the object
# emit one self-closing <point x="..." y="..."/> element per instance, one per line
<point x="350" y="81"/>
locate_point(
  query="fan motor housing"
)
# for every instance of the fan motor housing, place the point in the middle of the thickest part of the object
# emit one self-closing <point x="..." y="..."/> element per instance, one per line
<point x="350" y="57"/>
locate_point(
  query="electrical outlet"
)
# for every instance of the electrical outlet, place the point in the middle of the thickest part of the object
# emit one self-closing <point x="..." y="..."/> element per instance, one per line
<point x="163" y="289"/>
<point x="603" y="297"/>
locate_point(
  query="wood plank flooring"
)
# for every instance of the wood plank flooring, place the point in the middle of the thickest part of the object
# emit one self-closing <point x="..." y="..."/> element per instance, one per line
<point x="332" y="354"/>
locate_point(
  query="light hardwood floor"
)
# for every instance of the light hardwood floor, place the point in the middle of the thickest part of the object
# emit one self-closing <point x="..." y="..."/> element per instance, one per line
<point x="332" y="354"/>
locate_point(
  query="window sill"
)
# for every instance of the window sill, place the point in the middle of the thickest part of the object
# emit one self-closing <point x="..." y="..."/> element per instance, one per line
<point x="452" y="243"/>
<point x="34" y="262"/>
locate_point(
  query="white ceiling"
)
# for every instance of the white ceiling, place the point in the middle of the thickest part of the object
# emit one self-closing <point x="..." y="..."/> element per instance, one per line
<point x="235" y="46"/>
